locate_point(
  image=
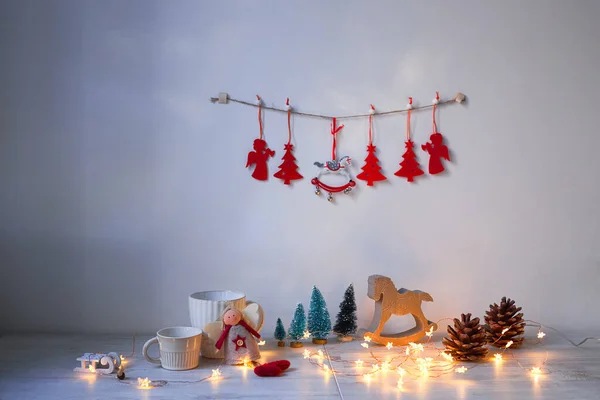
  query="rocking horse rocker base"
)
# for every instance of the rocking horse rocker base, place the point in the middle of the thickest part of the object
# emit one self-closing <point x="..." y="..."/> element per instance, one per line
<point x="388" y="302"/>
<point x="333" y="167"/>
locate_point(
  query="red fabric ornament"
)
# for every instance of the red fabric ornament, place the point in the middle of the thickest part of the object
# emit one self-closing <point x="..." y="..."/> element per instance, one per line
<point x="437" y="151"/>
<point x="288" y="169"/>
<point x="371" y="171"/>
<point x="436" y="148"/>
<point x="261" y="153"/>
<point x="274" y="368"/>
<point x="409" y="167"/>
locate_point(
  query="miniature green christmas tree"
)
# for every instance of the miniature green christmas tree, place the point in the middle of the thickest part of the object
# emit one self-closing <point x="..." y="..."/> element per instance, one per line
<point x="297" y="326"/>
<point x="319" y="322"/>
<point x="280" y="333"/>
<point x="345" y="324"/>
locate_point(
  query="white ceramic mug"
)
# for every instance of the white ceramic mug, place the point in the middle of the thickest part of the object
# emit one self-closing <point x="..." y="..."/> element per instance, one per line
<point x="208" y="306"/>
<point x="179" y="348"/>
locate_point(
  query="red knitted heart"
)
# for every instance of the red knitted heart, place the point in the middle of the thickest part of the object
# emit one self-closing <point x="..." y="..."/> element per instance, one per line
<point x="267" y="370"/>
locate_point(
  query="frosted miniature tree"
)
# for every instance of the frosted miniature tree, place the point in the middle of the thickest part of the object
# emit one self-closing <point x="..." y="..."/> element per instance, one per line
<point x="280" y="333"/>
<point x="297" y="326"/>
<point x="345" y="324"/>
<point x="319" y="322"/>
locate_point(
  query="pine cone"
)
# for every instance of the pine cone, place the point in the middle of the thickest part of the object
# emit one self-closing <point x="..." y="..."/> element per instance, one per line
<point x="467" y="340"/>
<point x="501" y="317"/>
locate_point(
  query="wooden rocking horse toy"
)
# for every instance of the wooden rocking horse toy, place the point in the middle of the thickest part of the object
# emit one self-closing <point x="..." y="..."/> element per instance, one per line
<point x="388" y="302"/>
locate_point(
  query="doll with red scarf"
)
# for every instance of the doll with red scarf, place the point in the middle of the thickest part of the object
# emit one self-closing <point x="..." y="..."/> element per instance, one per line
<point x="238" y="339"/>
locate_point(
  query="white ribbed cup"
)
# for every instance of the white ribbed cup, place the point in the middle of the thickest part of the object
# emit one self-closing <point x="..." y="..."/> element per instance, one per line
<point x="179" y="348"/>
<point x="208" y="306"/>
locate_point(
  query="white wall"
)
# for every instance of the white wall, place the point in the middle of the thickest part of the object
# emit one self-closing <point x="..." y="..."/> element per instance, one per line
<point x="124" y="188"/>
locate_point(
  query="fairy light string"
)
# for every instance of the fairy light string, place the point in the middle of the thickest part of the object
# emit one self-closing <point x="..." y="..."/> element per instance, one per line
<point x="406" y="360"/>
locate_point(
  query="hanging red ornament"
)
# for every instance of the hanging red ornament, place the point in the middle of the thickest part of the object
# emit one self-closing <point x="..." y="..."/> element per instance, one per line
<point x="334" y="166"/>
<point x="436" y="148"/>
<point x="371" y="171"/>
<point x="409" y="167"/>
<point x="288" y="169"/>
<point x="261" y="153"/>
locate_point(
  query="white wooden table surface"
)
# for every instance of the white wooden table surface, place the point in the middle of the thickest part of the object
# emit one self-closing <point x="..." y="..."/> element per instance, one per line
<point x="41" y="367"/>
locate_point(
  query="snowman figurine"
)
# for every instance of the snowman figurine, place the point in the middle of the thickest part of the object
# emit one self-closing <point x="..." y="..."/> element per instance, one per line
<point x="238" y="339"/>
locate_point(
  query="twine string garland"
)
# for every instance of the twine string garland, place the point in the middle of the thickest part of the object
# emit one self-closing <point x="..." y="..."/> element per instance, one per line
<point x="459" y="98"/>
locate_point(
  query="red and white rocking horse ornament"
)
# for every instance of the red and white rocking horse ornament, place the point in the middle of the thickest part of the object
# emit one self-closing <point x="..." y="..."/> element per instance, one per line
<point x="334" y="166"/>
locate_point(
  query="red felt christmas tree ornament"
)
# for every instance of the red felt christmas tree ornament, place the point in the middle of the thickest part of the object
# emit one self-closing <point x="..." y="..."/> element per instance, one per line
<point x="288" y="170"/>
<point x="436" y="148"/>
<point x="261" y="153"/>
<point x="371" y="171"/>
<point x="409" y="167"/>
<point x="335" y="166"/>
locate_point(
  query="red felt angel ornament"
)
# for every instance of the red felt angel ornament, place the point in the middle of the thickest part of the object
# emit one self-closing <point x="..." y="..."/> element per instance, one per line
<point x="261" y="153"/>
<point x="436" y="148"/>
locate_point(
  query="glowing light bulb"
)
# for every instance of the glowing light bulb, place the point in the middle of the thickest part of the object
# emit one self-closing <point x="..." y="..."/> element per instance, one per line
<point x="505" y="330"/>
<point x="407" y="350"/>
<point x="447" y="356"/>
<point x="359" y="363"/>
<point x="429" y="333"/>
<point x="326" y="368"/>
<point x="541" y="335"/>
<point x="375" y="368"/>
<point x="261" y="343"/>
<point x="400" y="383"/>
<point x="498" y="357"/>
<point x="216" y="373"/>
<point x="320" y="353"/>
<point x="92" y="367"/>
<point x="306" y="353"/>
<point x="365" y="345"/>
<point x="247" y="362"/>
<point x="367" y="338"/>
<point x="536" y="370"/>
<point x="461" y="370"/>
<point x="423" y="365"/>
<point x="385" y="366"/>
<point x="389" y="345"/>
<point x="306" y="335"/>
<point x="416" y="347"/>
<point x="510" y="342"/>
<point x="367" y="378"/>
<point x="400" y="371"/>
<point x="144" y="383"/>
